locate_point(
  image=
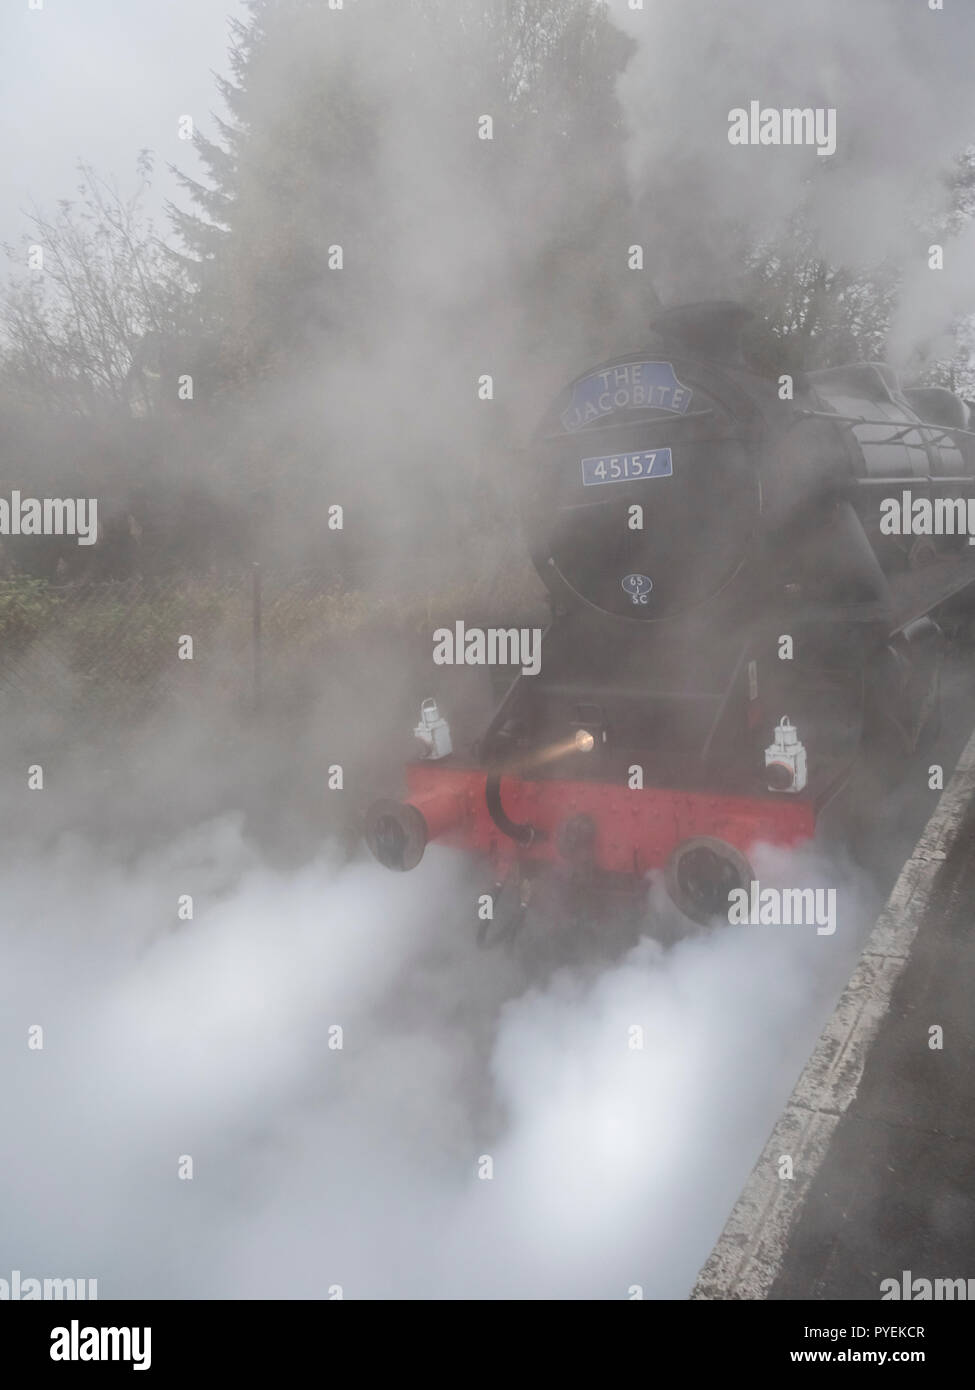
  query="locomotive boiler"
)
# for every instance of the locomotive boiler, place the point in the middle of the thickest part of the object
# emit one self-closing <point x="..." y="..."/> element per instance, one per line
<point x="734" y="610"/>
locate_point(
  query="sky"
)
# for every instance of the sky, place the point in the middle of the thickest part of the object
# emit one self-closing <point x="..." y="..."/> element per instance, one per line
<point x="99" y="80"/>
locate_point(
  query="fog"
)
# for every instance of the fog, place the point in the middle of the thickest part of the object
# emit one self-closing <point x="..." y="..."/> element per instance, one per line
<point x="614" y="1164"/>
<point x="899" y="78"/>
<point x="93" y="80"/>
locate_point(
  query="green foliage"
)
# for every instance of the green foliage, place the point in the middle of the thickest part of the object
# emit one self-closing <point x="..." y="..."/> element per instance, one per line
<point x="111" y="649"/>
<point x="26" y="606"/>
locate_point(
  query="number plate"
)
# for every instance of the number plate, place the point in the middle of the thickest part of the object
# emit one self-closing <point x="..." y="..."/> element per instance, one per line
<point x="627" y="468"/>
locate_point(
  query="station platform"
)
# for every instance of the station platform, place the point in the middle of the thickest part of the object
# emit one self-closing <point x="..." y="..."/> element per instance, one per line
<point x="880" y="1126"/>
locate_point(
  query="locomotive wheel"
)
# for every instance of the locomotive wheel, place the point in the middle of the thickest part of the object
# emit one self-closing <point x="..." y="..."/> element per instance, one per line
<point x="701" y="873"/>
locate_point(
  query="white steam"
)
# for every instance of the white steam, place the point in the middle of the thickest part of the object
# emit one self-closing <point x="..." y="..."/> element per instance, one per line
<point x="316" y="1167"/>
<point x="899" y="76"/>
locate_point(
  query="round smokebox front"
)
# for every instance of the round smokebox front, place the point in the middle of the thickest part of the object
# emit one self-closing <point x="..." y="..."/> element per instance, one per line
<point x="645" y="495"/>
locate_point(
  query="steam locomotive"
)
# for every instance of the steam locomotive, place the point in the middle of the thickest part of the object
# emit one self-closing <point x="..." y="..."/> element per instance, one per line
<point x="738" y="599"/>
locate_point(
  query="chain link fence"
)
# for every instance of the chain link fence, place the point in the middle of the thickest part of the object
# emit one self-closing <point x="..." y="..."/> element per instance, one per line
<point x="111" y="652"/>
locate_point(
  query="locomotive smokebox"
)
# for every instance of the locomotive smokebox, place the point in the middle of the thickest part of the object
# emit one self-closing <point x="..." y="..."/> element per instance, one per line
<point x="644" y="494"/>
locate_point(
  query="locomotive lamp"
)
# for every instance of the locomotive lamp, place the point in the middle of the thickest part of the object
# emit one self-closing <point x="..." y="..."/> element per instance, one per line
<point x="785" y="759"/>
<point x="432" y="734"/>
<point x="589" y="728"/>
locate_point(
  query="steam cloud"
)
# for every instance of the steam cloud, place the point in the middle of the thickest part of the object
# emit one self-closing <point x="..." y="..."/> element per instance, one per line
<point x="899" y="77"/>
<point x="315" y="1167"/>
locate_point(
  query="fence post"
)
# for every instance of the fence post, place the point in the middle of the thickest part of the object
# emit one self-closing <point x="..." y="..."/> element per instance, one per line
<point x="256" y="612"/>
